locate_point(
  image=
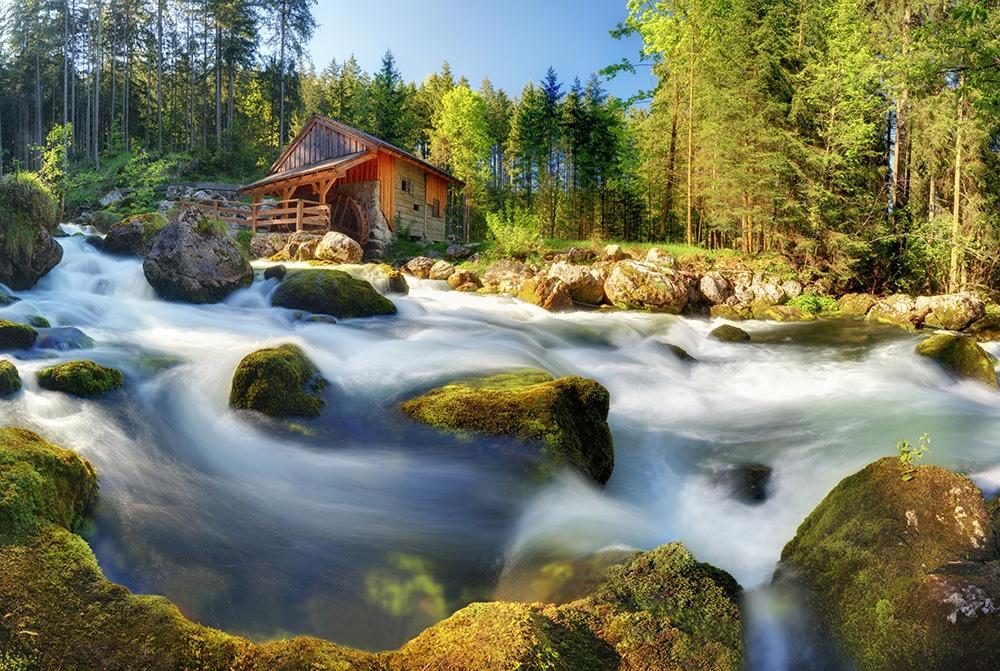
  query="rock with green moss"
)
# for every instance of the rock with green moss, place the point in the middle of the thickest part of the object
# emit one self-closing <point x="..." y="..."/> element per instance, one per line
<point x="28" y="217"/>
<point x="855" y="305"/>
<point x="633" y="285"/>
<point x="960" y="356"/>
<point x="10" y="380"/>
<point x="731" y="312"/>
<point x="81" y="378"/>
<point x="898" y="309"/>
<point x="279" y="382"/>
<point x="987" y="327"/>
<point x="132" y="235"/>
<point x="729" y="333"/>
<point x="331" y="292"/>
<point x="658" y="611"/>
<point x="16" y="336"/>
<point x="787" y="313"/>
<point x="901" y="565"/>
<point x="567" y="418"/>
<point x="39" y="322"/>
<point x="952" y="312"/>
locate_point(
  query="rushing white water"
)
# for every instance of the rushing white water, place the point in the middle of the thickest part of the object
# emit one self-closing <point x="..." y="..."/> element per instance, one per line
<point x="273" y="529"/>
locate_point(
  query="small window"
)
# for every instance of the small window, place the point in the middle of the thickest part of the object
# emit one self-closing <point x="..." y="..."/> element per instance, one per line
<point x="416" y="207"/>
<point x="406" y="186"/>
<point x="436" y="208"/>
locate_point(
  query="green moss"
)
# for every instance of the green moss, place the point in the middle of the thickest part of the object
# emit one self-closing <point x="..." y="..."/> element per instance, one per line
<point x="39" y="322"/>
<point x="10" y="381"/>
<point x="16" y="336"/>
<point x="103" y="220"/>
<point x="213" y="228"/>
<point x="730" y="312"/>
<point x="729" y="333"/>
<point x="279" y="382"/>
<point x="331" y="292"/>
<point x="27" y="206"/>
<point x="568" y="416"/>
<point x="80" y="378"/>
<point x="787" y="313"/>
<point x="243" y="238"/>
<point x="814" y="304"/>
<point x="889" y="564"/>
<point x="960" y="356"/>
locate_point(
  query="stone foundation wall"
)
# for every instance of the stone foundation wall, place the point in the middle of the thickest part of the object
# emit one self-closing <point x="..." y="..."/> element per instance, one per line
<point x="367" y="196"/>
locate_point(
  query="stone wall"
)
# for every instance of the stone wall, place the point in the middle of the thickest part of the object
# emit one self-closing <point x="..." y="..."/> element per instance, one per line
<point x="367" y="196"/>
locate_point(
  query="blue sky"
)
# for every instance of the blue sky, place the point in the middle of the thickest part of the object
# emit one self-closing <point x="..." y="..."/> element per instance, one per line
<point x="511" y="41"/>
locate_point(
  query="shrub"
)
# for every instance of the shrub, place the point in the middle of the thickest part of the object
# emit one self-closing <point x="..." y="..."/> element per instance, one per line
<point x="512" y="233"/>
<point x="26" y="206"/>
<point x="814" y="304"/>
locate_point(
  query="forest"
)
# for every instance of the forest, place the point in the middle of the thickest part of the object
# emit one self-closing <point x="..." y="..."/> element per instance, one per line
<point x="855" y="136"/>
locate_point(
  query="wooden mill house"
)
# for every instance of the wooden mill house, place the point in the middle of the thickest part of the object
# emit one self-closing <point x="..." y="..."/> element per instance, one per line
<point x="334" y="177"/>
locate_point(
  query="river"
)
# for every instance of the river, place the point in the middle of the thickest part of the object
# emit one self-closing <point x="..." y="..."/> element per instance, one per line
<point x="363" y="528"/>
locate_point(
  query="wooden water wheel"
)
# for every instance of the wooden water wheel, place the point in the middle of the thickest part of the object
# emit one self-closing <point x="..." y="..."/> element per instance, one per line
<point x="347" y="216"/>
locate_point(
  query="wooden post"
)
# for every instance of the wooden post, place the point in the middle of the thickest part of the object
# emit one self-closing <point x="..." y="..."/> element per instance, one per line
<point x="253" y="213"/>
<point x="298" y="215"/>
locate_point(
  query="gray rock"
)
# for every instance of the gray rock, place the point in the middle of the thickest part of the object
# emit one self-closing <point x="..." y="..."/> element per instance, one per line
<point x="338" y="247"/>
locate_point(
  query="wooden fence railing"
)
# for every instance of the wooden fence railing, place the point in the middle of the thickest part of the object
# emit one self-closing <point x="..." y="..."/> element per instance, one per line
<point x="284" y="215"/>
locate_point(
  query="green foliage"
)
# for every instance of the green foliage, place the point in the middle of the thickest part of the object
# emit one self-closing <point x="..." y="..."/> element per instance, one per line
<point x="910" y="455"/>
<point x="212" y="228"/>
<point x="26" y="207"/>
<point x="243" y="239"/>
<point x="814" y="304"/>
<point x="55" y="159"/>
<point x="512" y="234"/>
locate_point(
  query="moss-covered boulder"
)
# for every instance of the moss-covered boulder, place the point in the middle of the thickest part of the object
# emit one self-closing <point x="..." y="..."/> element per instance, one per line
<point x="567" y="417"/>
<point x="28" y="217"/>
<point x="961" y="356"/>
<point x="279" y="382"/>
<point x="661" y="610"/>
<point x="549" y="293"/>
<point x="331" y="292"/>
<point x="952" y="312"/>
<point x="81" y="378"/>
<point x="786" y="313"/>
<point x="132" y="235"/>
<point x="10" y="380"/>
<point x="633" y="285"/>
<point x="901" y="565"/>
<point x="899" y="310"/>
<point x="16" y="336"/>
<point x="855" y="305"/>
<point x="731" y="312"/>
<point x="658" y="611"/>
<point x="729" y="333"/>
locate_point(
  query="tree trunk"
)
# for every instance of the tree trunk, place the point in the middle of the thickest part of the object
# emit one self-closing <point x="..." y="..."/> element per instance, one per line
<point x="159" y="76"/>
<point x="956" y="222"/>
<point x="690" y="150"/>
<point x="218" y="86"/>
<point x="668" y="200"/>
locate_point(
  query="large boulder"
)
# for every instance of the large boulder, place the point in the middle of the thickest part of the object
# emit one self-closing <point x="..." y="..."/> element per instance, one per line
<point x="297" y="247"/>
<point x="28" y="216"/>
<point x="856" y="305"/>
<point x="636" y="285"/>
<point x="898" y="309"/>
<point x="715" y="288"/>
<point x="566" y="418"/>
<point x="458" y="252"/>
<point x="901" y="564"/>
<point x="339" y="248"/>
<point x="131" y="236"/>
<point x="952" y="312"/>
<point x="278" y="382"/>
<point x="506" y="277"/>
<point x="546" y="292"/>
<point x="266" y="245"/>
<point x="585" y="284"/>
<point x="10" y="380"/>
<point x="419" y="267"/>
<point x="464" y="280"/>
<point x="192" y="260"/>
<point x="729" y="333"/>
<point x="960" y="356"/>
<point x="16" y="336"/>
<point x="80" y="378"/>
<point x="441" y="270"/>
<point x="331" y="292"/>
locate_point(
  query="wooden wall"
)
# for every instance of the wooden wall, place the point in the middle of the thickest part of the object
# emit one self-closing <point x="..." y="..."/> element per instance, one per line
<point x="383" y="169"/>
<point x="319" y="144"/>
<point x="412" y="206"/>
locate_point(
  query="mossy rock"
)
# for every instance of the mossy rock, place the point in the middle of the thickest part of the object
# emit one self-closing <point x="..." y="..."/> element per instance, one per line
<point x="855" y="305"/>
<point x="81" y="378"/>
<point x="760" y="307"/>
<point x="278" y="382"/>
<point x="10" y="380"/>
<point x="7" y="299"/>
<point x="787" y="313"/>
<point x="901" y="565"/>
<point x="568" y="416"/>
<point x="133" y="234"/>
<point x="39" y="322"/>
<point x="729" y="333"/>
<point x="658" y="611"/>
<point x="331" y="292"/>
<point x="16" y="336"/>
<point x="960" y="356"/>
<point x="730" y="312"/>
<point x="679" y="352"/>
